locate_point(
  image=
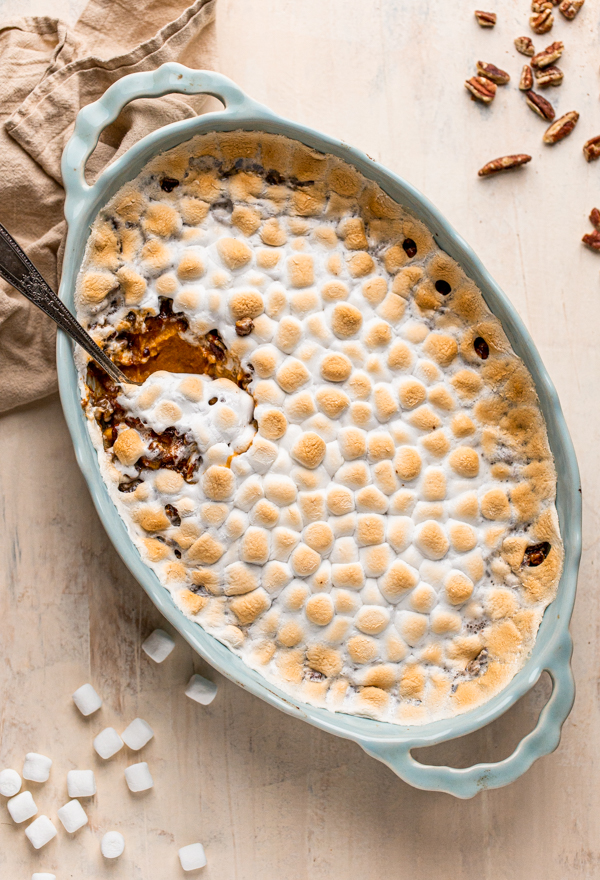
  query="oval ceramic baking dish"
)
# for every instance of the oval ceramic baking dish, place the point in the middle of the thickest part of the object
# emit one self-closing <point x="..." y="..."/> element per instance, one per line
<point x="387" y="742"/>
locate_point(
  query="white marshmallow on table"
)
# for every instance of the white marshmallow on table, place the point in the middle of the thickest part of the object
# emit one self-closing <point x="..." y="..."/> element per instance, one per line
<point x="41" y="831"/>
<point x="192" y="857"/>
<point x="201" y="690"/>
<point x="86" y="699"/>
<point x="73" y="816"/>
<point x="138" y="777"/>
<point x="137" y="734"/>
<point x="22" y="807"/>
<point x="113" y="844"/>
<point x="108" y="743"/>
<point x="81" y="783"/>
<point x="39" y="876"/>
<point x="158" y="645"/>
<point x="10" y="783"/>
<point x="36" y="767"/>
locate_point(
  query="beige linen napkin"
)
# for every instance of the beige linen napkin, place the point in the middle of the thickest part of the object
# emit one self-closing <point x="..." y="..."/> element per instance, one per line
<point x="47" y="73"/>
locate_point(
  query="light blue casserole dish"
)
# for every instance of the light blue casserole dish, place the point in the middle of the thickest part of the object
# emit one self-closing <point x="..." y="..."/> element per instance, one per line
<point x="387" y="742"/>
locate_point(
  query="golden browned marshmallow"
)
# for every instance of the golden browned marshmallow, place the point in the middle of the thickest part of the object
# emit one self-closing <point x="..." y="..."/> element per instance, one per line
<point x="250" y="606"/>
<point x="319" y="609"/>
<point x="301" y="270"/>
<point x="206" y="549"/>
<point x="335" y="367"/>
<point x="319" y="537"/>
<point x="234" y="253"/>
<point x="246" y="304"/>
<point x="288" y="335"/>
<point x="495" y="505"/>
<point x="218" y="483"/>
<point x="128" y="446"/>
<point x="464" y="461"/>
<point x="411" y="393"/>
<point x="398" y="580"/>
<point x="292" y="375"/>
<point x="255" y="546"/>
<point x="352" y="443"/>
<point x="458" y="587"/>
<point x="346" y="320"/>
<point x="431" y="540"/>
<point x="309" y="450"/>
<point x="407" y="463"/>
<point x="272" y="424"/>
<point x="161" y="219"/>
<point x="332" y="401"/>
<point x="370" y="529"/>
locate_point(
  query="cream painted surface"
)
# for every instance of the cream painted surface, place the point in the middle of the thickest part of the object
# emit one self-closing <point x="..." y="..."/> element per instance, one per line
<point x="268" y="796"/>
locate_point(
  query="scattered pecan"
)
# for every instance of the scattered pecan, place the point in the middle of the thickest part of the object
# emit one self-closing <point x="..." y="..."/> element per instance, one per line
<point x="592" y="240"/>
<point x="536" y="553"/>
<point x="540" y="105"/>
<point x="549" y="76"/>
<point x="570" y="8"/>
<point x="561" y="128"/>
<point x="485" y="19"/>
<point x="538" y="6"/>
<point x="526" y="81"/>
<point x="481" y="89"/>
<point x="524" y="45"/>
<point x="595" y="218"/>
<point x="244" y="326"/>
<point x="548" y="55"/>
<point x="541" y="22"/>
<point x="591" y="149"/>
<point x="504" y="163"/>
<point x="490" y="71"/>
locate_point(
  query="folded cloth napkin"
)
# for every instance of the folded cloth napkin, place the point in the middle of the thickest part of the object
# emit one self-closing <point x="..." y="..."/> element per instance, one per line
<point x="47" y="73"/>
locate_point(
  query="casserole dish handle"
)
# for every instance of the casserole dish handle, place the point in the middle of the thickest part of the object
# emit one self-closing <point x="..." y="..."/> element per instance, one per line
<point x="467" y="782"/>
<point x="93" y="119"/>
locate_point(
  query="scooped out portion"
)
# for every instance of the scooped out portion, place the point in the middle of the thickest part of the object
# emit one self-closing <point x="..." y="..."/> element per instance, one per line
<point x="336" y="463"/>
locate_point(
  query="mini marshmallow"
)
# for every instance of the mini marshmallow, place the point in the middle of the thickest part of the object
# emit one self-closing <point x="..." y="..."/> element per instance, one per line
<point x="108" y="743"/>
<point x="41" y="831"/>
<point x="201" y="690"/>
<point x="39" y="876"/>
<point x="22" y="807"/>
<point x="73" y="816"/>
<point x="10" y="783"/>
<point x="158" y="645"/>
<point x="138" y="777"/>
<point x="86" y="699"/>
<point x="137" y="734"/>
<point x="81" y="783"/>
<point x="36" y="767"/>
<point x="192" y="857"/>
<point x="112" y="845"/>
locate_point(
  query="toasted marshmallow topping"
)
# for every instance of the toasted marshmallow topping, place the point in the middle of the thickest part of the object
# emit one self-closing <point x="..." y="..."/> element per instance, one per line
<point x="360" y="504"/>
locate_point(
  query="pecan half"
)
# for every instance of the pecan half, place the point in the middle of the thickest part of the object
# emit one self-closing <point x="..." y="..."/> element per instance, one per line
<point x="541" y="22"/>
<point x="538" y="6"/>
<point x="490" y="71"/>
<point x="595" y="218"/>
<point x="244" y="326"/>
<point x="536" y="553"/>
<point x="592" y="240"/>
<point x="561" y="128"/>
<point x="504" y="163"/>
<point x="540" y="106"/>
<point x="549" y="76"/>
<point x="570" y="8"/>
<point x="485" y="19"/>
<point x="481" y="89"/>
<point x="548" y="55"/>
<point x="526" y="81"/>
<point x="591" y="149"/>
<point x="524" y="45"/>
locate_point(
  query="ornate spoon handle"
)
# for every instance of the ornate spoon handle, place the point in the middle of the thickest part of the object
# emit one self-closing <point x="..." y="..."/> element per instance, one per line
<point x="18" y="270"/>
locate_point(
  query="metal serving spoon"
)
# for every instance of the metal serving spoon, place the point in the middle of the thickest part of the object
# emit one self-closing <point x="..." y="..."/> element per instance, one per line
<point x="18" y="270"/>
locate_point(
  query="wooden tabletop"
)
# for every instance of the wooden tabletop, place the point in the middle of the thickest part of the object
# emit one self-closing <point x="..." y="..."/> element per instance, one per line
<point x="270" y="797"/>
